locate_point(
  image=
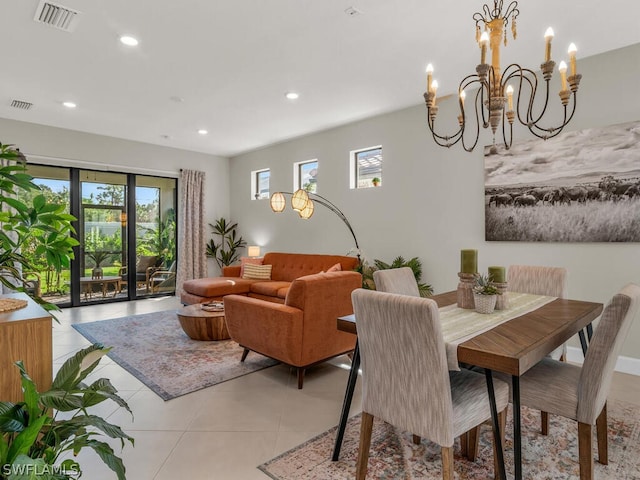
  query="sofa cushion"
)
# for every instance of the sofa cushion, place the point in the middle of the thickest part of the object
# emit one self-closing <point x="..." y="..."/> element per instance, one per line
<point x="269" y="288"/>
<point x="248" y="261"/>
<point x="213" y="287"/>
<point x="257" y="272"/>
<point x="289" y="266"/>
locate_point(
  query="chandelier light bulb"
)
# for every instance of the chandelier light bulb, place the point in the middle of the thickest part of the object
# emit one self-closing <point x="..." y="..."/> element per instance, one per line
<point x="548" y="33"/>
<point x="572" y="57"/>
<point x="429" y="76"/>
<point x="484" y="42"/>
<point x="510" y="97"/>
<point x="562" y="68"/>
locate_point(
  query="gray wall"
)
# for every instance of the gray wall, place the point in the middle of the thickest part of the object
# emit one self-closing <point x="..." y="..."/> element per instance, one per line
<point x="57" y="146"/>
<point x="431" y="203"/>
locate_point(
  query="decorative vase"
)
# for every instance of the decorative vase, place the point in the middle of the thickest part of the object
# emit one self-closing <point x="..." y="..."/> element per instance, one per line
<point x="485" y="303"/>
<point x="96" y="273"/>
<point x="465" y="290"/>
<point x="502" y="302"/>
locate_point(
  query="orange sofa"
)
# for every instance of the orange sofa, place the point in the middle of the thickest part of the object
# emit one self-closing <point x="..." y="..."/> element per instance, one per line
<point x="285" y="268"/>
<point x="302" y="331"/>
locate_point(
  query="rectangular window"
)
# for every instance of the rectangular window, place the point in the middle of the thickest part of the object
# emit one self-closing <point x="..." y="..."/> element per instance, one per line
<point x="260" y="184"/>
<point x="305" y="176"/>
<point x="366" y="167"/>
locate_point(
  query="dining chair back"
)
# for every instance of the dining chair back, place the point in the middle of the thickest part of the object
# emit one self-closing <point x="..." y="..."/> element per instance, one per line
<point x="396" y="280"/>
<point x="603" y="351"/>
<point x="406" y="381"/>
<point x="551" y="281"/>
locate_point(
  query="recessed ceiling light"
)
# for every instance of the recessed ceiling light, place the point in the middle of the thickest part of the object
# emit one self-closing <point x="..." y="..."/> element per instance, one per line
<point x="202" y="131"/>
<point x="69" y="104"/>
<point x="129" y="41"/>
<point x="291" y="95"/>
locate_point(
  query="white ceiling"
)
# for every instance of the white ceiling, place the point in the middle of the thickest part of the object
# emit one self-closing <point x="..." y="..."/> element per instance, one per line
<point x="232" y="61"/>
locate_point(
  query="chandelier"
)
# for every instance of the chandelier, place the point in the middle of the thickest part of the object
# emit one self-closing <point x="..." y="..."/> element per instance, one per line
<point x="494" y="101"/>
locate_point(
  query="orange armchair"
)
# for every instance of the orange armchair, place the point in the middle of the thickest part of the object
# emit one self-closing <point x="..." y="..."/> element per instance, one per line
<point x="303" y="331"/>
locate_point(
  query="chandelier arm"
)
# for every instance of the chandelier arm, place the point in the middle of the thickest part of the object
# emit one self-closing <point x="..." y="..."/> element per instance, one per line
<point x="522" y="76"/>
<point x="554" y="131"/>
<point x="445" y="139"/>
<point x="478" y="98"/>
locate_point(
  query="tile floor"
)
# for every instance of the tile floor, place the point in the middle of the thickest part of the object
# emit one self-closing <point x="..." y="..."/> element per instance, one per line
<point x="225" y="431"/>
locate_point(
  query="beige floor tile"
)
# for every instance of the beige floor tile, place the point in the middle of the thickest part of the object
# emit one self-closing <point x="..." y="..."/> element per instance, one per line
<point x="219" y="455"/>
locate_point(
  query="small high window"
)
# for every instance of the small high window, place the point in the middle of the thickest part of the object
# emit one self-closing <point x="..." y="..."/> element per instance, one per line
<point x="305" y="176"/>
<point x="260" y="184"/>
<point x="366" y="167"/>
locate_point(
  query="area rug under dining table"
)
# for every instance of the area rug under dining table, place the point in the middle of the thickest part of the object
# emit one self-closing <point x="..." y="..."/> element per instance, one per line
<point x="154" y="349"/>
<point x="394" y="456"/>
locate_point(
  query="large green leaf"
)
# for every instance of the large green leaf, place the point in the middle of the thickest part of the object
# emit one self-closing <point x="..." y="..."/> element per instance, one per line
<point x="25" y="439"/>
<point x="76" y="368"/>
<point x="108" y="457"/>
<point x="13" y="417"/>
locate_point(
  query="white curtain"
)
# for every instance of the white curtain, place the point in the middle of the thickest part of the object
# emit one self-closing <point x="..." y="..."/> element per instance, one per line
<point x="192" y="261"/>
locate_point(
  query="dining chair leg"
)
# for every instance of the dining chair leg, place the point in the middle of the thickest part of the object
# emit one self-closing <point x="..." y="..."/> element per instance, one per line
<point x="473" y="436"/>
<point x="416" y="439"/>
<point x="447" y="463"/>
<point x="601" y="434"/>
<point x="502" y="422"/>
<point x="464" y="444"/>
<point x="365" y="443"/>
<point x="544" y="423"/>
<point x="585" y="454"/>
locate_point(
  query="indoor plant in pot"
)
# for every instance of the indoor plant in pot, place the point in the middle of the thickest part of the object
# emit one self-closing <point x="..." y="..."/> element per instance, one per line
<point x="484" y="294"/>
<point x="41" y="435"/>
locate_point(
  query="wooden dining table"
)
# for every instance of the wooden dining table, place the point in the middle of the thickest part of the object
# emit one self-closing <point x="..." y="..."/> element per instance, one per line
<point x="512" y="347"/>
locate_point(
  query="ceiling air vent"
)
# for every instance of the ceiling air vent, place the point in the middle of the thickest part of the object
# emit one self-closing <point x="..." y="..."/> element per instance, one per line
<point x="21" y="105"/>
<point x="56" y="15"/>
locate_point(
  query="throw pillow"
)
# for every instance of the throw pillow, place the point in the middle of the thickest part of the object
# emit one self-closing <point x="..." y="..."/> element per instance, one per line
<point x="257" y="272"/>
<point x="336" y="268"/>
<point x="248" y="261"/>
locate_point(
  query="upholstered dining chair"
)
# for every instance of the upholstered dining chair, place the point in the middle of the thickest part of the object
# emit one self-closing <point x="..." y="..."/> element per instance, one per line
<point x="580" y="393"/>
<point x="551" y="281"/>
<point x="396" y="280"/>
<point x="406" y="381"/>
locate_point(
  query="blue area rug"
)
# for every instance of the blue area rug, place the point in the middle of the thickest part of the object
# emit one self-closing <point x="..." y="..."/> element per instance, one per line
<point x="154" y="349"/>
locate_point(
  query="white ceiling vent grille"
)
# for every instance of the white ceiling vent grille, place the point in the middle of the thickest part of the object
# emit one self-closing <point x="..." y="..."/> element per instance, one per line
<point x="21" y="104"/>
<point x="56" y="16"/>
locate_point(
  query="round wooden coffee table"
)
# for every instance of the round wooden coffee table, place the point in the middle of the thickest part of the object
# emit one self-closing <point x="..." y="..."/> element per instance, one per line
<point x="202" y="325"/>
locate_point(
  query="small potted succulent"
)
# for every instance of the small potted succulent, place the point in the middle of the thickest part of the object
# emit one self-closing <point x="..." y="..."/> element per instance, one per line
<point x="375" y="181"/>
<point x="484" y="294"/>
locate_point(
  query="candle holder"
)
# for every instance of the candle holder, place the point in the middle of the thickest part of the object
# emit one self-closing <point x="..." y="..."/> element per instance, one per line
<point x="502" y="302"/>
<point x="465" y="290"/>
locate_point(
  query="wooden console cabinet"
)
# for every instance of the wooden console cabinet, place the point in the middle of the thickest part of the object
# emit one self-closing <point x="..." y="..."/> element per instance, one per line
<point x="26" y="335"/>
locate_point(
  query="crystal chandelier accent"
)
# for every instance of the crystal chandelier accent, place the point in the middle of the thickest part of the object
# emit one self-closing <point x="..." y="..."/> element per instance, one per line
<point x="493" y="99"/>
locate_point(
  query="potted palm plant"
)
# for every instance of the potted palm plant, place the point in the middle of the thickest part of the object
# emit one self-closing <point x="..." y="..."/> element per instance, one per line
<point x="98" y="257"/>
<point x="484" y="294"/>
<point x="375" y="181"/>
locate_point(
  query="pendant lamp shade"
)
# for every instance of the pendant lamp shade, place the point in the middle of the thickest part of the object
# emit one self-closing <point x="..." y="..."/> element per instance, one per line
<point x="307" y="211"/>
<point x="299" y="200"/>
<point x="278" y="202"/>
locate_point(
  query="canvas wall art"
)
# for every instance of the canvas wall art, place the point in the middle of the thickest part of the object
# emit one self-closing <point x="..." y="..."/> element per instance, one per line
<point x="581" y="186"/>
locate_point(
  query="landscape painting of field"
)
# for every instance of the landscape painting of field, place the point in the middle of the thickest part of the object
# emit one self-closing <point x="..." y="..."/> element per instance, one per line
<point x="581" y="186"/>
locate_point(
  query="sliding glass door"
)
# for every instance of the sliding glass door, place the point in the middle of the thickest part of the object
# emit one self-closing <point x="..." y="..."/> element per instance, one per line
<point x="127" y="232"/>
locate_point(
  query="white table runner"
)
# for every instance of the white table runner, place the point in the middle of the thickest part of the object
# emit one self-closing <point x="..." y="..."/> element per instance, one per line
<point x="460" y="325"/>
